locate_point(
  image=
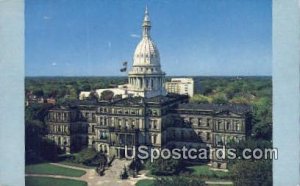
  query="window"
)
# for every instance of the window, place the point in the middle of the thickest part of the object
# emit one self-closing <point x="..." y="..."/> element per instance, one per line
<point x="93" y="116"/>
<point x="199" y="122"/>
<point x="154" y="139"/>
<point x="101" y="121"/>
<point x="120" y="123"/>
<point x="182" y="135"/>
<point x="219" y="141"/>
<point x="238" y="125"/>
<point x="208" y="122"/>
<point x="129" y="139"/>
<point x="192" y="134"/>
<point x="207" y="136"/>
<point x="220" y="126"/>
<point x="103" y="135"/>
<point x="227" y="125"/>
<point x="121" y="138"/>
<point x="199" y="134"/>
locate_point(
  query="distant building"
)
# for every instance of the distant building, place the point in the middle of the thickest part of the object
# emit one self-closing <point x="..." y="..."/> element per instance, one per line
<point x="84" y="94"/>
<point x="146" y="115"/>
<point x="183" y="86"/>
<point x="51" y="101"/>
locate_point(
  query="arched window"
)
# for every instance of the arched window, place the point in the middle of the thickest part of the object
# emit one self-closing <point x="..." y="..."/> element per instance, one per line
<point x="59" y="140"/>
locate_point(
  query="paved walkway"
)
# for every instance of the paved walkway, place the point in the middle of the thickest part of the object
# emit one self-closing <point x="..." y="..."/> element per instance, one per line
<point x="219" y="182"/>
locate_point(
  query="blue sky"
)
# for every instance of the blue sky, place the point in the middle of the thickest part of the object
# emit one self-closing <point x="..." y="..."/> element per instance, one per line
<point x="194" y="37"/>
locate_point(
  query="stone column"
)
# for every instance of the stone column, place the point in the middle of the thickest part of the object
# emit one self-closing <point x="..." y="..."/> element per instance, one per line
<point x="144" y="83"/>
<point x="150" y="84"/>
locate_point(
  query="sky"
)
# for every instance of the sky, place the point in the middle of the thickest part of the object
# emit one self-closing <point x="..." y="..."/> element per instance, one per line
<point x="194" y="37"/>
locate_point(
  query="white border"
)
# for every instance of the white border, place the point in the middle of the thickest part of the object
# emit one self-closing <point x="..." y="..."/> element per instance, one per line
<point x="12" y="93"/>
<point x="286" y="112"/>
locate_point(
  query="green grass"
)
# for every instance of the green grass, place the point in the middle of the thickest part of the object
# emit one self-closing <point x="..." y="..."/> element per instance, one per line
<point x="203" y="171"/>
<point x="78" y="159"/>
<point x="46" y="168"/>
<point x="44" y="181"/>
<point x="145" y="182"/>
<point x="80" y="165"/>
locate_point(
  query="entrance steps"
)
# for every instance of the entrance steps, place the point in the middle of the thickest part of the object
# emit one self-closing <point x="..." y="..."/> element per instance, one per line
<point x="117" y="167"/>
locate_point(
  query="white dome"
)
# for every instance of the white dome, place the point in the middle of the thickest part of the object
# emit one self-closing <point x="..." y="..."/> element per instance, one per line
<point x="146" y="78"/>
<point x="146" y="53"/>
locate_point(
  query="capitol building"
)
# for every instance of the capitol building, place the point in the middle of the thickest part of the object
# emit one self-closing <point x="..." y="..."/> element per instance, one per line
<point x="144" y="113"/>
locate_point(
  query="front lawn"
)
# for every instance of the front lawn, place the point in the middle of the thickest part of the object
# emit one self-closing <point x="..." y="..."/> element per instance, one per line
<point x="45" y="181"/>
<point x="86" y="158"/>
<point x="145" y="182"/>
<point x="203" y="171"/>
<point x="46" y="168"/>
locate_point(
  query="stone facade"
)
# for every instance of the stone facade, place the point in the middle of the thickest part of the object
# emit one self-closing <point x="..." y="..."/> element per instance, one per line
<point x="157" y="122"/>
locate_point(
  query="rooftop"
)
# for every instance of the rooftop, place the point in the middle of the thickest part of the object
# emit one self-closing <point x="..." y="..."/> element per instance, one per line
<point x="236" y="108"/>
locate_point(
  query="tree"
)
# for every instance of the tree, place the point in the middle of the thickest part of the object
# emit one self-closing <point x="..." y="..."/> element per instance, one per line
<point x="220" y="98"/>
<point x="164" y="166"/>
<point x="262" y="131"/>
<point x="73" y="94"/>
<point x="252" y="173"/>
<point x="107" y="95"/>
<point x="240" y="100"/>
<point x="263" y="110"/>
<point x="124" y="173"/>
<point x="85" y="87"/>
<point x="93" y="96"/>
<point x="38" y="92"/>
<point x="248" y="144"/>
<point x="199" y="98"/>
<point x="38" y="147"/>
<point x="178" y="181"/>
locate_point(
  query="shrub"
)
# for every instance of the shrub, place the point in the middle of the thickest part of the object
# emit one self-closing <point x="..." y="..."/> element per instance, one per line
<point x="178" y="181"/>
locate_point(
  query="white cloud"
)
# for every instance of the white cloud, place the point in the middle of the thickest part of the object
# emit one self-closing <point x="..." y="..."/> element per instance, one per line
<point x="134" y="36"/>
<point x="53" y="64"/>
<point x="46" y="17"/>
